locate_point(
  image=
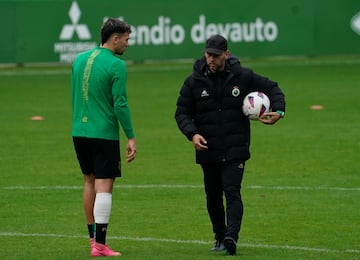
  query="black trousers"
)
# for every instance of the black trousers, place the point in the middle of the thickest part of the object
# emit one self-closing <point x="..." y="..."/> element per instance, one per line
<point x="224" y="179"/>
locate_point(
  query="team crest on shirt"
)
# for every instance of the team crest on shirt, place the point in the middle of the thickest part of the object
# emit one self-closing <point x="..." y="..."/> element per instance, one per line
<point x="235" y="91"/>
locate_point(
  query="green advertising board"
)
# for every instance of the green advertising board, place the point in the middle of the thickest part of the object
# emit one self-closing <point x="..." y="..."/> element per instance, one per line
<point x="56" y="30"/>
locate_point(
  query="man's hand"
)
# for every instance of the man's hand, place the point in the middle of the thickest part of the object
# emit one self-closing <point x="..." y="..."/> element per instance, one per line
<point x="199" y="142"/>
<point x="130" y="150"/>
<point x="270" y="118"/>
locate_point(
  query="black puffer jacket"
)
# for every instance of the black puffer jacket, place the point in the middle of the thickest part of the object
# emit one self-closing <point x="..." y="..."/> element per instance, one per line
<point x="211" y="105"/>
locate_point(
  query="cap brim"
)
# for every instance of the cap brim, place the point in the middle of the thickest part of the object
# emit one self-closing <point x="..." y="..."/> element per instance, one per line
<point x="214" y="51"/>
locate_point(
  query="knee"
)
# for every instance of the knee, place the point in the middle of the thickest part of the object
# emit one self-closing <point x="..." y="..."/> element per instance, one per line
<point x="89" y="180"/>
<point x="232" y="193"/>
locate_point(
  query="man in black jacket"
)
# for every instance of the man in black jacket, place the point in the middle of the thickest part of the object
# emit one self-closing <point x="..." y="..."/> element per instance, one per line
<point x="209" y="113"/>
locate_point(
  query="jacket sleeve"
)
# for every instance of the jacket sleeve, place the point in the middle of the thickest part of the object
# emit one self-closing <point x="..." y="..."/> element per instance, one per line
<point x="271" y="89"/>
<point x="185" y="111"/>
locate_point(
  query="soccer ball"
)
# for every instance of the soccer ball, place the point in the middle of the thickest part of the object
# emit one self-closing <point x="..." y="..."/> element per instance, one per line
<point x="255" y="104"/>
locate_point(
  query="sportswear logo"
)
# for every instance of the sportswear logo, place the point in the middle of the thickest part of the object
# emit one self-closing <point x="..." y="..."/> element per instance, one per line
<point x="81" y="30"/>
<point x="204" y="93"/>
<point x="355" y="23"/>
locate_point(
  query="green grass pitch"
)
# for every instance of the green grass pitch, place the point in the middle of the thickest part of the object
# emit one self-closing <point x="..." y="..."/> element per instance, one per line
<point x="301" y="187"/>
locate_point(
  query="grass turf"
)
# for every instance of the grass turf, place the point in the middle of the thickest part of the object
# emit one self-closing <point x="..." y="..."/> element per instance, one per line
<point x="301" y="187"/>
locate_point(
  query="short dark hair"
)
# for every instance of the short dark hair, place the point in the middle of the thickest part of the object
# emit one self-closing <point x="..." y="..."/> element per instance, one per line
<point x="112" y="26"/>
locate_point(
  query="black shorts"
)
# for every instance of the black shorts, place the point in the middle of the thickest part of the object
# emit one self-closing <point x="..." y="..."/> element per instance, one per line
<point x="100" y="157"/>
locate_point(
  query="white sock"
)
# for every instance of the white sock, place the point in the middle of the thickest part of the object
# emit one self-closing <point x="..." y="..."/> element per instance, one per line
<point x="102" y="208"/>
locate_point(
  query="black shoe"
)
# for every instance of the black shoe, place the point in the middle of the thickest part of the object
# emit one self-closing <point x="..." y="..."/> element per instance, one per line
<point x="218" y="245"/>
<point x="230" y="246"/>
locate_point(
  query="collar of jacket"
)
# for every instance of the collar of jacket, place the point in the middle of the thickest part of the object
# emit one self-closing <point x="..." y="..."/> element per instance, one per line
<point x="232" y="64"/>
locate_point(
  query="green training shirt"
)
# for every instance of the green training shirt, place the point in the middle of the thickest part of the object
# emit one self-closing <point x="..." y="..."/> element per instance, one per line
<point x="99" y="99"/>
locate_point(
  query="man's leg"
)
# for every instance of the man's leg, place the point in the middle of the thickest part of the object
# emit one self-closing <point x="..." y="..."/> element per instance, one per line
<point x="102" y="210"/>
<point x="214" y="199"/>
<point x="88" y="202"/>
<point x="232" y="178"/>
<point x="102" y="207"/>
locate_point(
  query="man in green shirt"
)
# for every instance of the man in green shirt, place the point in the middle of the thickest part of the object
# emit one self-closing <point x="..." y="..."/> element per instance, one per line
<point x="99" y="103"/>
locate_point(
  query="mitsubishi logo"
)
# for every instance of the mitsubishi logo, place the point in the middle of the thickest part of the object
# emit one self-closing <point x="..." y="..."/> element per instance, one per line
<point x="355" y="23"/>
<point x="68" y="49"/>
<point x="81" y="30"/>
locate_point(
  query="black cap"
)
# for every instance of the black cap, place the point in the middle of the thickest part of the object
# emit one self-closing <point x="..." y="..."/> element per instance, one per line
<point x="216" y="44"/>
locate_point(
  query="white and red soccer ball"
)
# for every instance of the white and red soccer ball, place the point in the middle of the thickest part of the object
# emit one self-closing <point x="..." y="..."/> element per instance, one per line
<point x="255" y="104"/>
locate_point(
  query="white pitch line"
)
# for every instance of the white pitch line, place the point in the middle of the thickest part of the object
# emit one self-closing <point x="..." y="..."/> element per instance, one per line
<point x="177" y="241"/>
<point x="301" y="188"/>
<point x="180" y="186"/>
